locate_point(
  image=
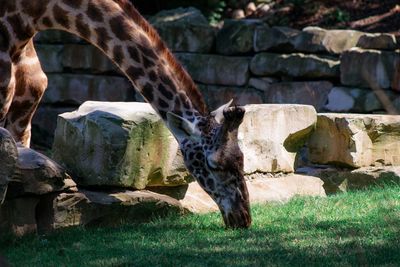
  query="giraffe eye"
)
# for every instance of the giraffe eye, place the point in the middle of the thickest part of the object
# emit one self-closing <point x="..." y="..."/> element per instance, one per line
<point x="212" y="164"/>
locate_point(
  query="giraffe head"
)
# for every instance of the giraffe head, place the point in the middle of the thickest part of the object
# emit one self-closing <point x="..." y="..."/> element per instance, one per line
<point x="211" y="153"/>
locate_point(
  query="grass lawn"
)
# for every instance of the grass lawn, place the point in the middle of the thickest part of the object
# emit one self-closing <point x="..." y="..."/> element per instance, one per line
<point x="359" y="228"/>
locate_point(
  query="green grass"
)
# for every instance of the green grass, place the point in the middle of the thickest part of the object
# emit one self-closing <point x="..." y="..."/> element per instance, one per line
<point x="359" y="228"/>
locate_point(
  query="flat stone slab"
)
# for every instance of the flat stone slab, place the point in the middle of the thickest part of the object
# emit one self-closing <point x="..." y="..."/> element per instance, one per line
<point x="261" y="190"/>
<point x="216" y="69"/>
<point x="341" y="180"/>
<point x="355" y="140"/>
<point x="294" y="65"/>
<point x="92" y="208"/>
<point x="314" y="93"/>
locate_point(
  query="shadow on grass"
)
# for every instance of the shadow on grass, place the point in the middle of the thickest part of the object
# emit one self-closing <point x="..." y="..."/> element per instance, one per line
<point x="195" y="242"/>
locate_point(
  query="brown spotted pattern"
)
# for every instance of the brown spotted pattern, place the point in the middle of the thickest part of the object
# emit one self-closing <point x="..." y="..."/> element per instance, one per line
<point x="210" y="149"/>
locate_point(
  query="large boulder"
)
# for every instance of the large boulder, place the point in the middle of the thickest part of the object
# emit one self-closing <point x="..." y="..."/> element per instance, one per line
<point x="215" y="69"/>
<point x="236" y="37"/>
<point x="91" y="208"/>
<point x="371" y="68"/>
<point x="271" y="135"/>
<point x="295" y="65"/>
<point x="36" y="174"/>
<point x="185" y="30"/>
<point x="8" y="156"/>
<point x="318" y="40"/>
<point x="118" y="144"/>
<point x="355" y="140"/>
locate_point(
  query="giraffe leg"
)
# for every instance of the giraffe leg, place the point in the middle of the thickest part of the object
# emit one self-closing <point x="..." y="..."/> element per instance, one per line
<point x="7" y="86"/>
<point x="30" y="84"/>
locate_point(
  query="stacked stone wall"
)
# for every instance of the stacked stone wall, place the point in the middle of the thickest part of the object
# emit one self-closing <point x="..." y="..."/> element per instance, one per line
<point x="333" y="70"/>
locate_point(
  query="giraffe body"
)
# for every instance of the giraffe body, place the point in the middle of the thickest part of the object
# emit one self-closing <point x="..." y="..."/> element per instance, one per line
<point x="208" y="140"/>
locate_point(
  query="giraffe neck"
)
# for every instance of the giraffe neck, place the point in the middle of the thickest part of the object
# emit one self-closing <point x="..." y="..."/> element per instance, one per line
<point x="125" y="37"/>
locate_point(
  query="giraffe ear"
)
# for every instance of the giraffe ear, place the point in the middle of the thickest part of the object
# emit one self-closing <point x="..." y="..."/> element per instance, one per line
<point x="181" y="127"/>
<point x="218" y="114"/>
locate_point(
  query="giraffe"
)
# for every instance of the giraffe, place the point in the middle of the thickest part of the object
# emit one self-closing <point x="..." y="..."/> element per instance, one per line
<point x="208" y="140"/>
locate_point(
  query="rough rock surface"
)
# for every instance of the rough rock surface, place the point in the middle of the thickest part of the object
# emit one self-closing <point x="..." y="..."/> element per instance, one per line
<point x="215" y="69"/>
<point x="365" y="68"/>
<point x="74" y="89"/>
<point x="341" y="180"/>
<point x="37" y="174"/>
<point x="294" y="65"/>
<point x="236" y="36"/>
<point x="380" y="41"/>
<point x="118" y="144"/>
<point x="241" y="95"/>
<point x="271" y="135"/>
<point x="318" y="40"/>
<point x="355" y="140"/>
<point x="261" y="190"/>
<point x="274" y="39"/>
<point x="18" y="216"/>
<point x="98" y="208"/>
<point x="8" y="156"/>
<point x="185" y="29"/>
<point x="307" y="93"/>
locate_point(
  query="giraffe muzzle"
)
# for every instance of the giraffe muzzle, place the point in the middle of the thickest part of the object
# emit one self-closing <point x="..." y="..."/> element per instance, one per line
<point x="238" y="219"/>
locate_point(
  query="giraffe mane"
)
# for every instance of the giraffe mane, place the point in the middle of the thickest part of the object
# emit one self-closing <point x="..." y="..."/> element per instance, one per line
<point x="181" y="74"/>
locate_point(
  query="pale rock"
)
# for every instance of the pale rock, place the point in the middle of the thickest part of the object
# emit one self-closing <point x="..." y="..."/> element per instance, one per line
<point x="355" y="140"/>
<point x="118" y="144"/>
<point x="318" y="40"/>
<point x="271" y="135"/>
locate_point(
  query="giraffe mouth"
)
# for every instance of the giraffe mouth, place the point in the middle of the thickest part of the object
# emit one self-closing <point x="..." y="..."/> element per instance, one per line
<point x="238" y="219"/>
